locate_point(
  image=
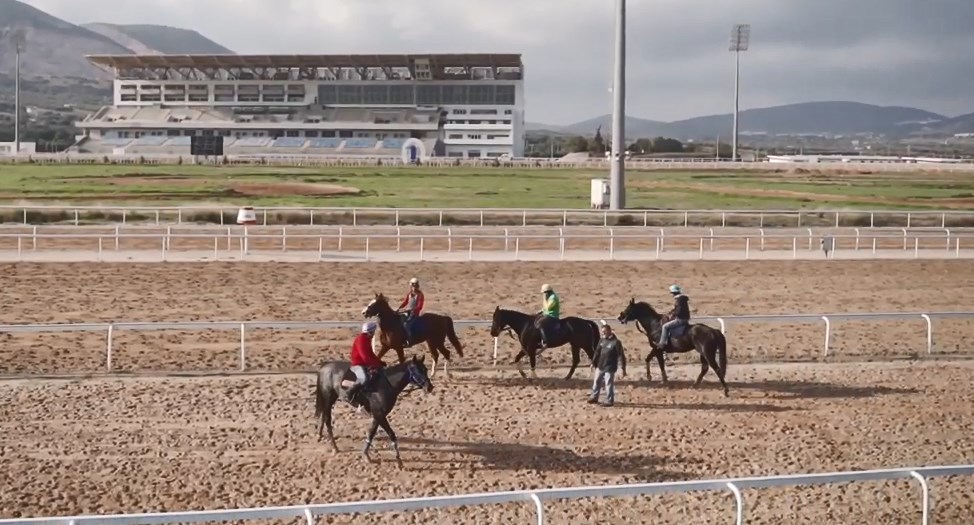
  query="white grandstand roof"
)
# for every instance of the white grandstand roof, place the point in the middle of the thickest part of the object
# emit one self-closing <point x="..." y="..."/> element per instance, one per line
<point x="304" y="61"/>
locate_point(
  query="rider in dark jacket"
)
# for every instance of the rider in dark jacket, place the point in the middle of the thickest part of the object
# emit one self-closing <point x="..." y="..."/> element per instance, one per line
<point x="680" y="314"/>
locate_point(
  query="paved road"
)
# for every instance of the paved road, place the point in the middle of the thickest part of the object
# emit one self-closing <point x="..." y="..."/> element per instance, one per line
<point x="150" y="256"/>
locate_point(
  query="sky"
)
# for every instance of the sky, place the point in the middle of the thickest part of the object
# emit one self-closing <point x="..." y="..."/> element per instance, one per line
<point x="913" y="53"/>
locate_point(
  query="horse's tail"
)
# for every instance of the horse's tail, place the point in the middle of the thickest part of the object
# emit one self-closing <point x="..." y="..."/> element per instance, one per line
<point x="722" y="352"/>
<point x="596" y="336"/>
<point x="319" y="398"/>
<point x="452" y="335"/>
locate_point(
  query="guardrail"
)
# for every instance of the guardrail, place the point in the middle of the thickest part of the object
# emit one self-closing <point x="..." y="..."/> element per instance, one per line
<point x="244" y="326"/>
<point x="391" y="247"/>
<point x="31" y="214"/>
<point x="735" y="486"/>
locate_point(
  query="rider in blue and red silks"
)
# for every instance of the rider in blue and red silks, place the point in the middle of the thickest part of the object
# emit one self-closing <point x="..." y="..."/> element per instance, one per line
<point x="412" y="305"/>
<point x="363" y="359"/>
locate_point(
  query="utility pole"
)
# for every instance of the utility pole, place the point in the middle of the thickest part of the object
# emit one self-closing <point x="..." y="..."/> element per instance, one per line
<point x="617" y="183"/>
<point x="740" y="41"/>
<point x="19" y="39"/>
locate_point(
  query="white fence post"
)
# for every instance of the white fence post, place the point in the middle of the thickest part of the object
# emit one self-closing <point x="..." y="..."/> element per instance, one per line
<point x="422" y="247"/>
<point x="828" y="334"/>
<point x="723" y="325"/>
<point x="366" y="249"/>
<point x="929" y="333"/>
<point x="243" y="347"/>
<point x="284" y="239"/>
<point x="496" y="344"/>
<point x="108" y="348"/>
<point x="738" y="501"/>
<point x="538" y="507"/>
<point x="925" y="494"/>
<point x="747" y="248"/>
<point x="762" y="239"/>
<point x="449" y="239"/>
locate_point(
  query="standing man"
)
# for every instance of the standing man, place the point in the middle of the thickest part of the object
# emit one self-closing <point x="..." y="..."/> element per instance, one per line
<point x="608" y="359"/>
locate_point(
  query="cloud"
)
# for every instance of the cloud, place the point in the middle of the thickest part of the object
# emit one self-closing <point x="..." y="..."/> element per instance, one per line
<point x="892" y="52"/>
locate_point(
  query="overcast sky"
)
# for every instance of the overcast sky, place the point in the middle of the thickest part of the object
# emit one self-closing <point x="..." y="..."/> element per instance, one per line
<point x="890" y="52"/>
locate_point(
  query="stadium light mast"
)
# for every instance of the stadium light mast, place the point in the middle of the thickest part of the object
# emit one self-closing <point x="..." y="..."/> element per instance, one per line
<point x="740" y="41"/>
<point x="617" y="174"/>
<point x="19" y="40"/>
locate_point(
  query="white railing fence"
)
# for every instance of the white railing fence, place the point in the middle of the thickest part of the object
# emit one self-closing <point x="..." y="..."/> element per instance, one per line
<point x="31" y="214"/>
<point x="734" y="486"/>
<point x="630" y="246"/>
<point x="110" y="329"/>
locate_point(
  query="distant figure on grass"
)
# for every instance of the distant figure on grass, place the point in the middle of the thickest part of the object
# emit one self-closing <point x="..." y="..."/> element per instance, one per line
<point x="706" y="341"/>
<point x="609" y="358"/>
<point x="433" y="329"/>
<point x="828" y="245"/>
<point x="580" y="334"/>
<point x="378" y="398"/>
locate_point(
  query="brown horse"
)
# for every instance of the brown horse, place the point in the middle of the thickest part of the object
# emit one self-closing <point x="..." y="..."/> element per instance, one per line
<point x="433" y="329"/>
<point x="708" y="342"/>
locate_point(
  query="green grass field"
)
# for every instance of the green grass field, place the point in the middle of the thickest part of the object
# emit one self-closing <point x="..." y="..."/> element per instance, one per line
<point x="476" y="187"/>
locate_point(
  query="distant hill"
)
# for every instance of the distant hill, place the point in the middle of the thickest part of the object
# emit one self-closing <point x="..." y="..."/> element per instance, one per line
<point x="150" y="39"/>
<point x="961" y="124"/>
<point x="802" y="118"/>
<point x="54" y="69"/>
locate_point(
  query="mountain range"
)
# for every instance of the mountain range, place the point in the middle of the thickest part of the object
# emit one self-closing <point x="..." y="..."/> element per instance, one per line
<point x="55" y="73"/>
<point x="807" y="118"/>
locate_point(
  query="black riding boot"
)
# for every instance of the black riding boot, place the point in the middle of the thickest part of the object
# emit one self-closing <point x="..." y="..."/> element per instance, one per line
<point x="352" y="392"/>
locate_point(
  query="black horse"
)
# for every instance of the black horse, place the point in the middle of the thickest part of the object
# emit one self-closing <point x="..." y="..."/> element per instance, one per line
<point x="378" y="399"/>
<point x="708" y="342"/>
<point x="575" y="331"/>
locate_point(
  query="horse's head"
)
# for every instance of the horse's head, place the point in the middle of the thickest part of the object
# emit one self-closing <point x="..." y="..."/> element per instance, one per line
<point x="377" y="306"/>
<point x="496" y="323"/>
<point x="629" y="314"/>
<point x="418" y="374"/>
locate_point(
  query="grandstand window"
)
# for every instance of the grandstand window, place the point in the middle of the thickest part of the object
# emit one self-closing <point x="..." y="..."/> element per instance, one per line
<point x="150" y="97"/>
<point x="172" y="132"/>
<point x="454" y="95"/>
<point x="460" y="111"/>
<point x="327" y="94"/>
<point x="455" y="154"/>
<point x="189" y="132"/>
<point x="402" y="94"/>
<point x="376" y="94"/>
<point x="474" y="137"/>
<point x="225" y="133"/>
<point x="428" y="95"/>
<point x="456" y="136"/>
<point x="481" y="94"/>
<point x="505" y="95"/>
<point x="483" y="112"/>
<point x="207" y="133"/>
<point x="508" y="112"/>
<point x="349" y="94"/>
<point x="345" y="133"/>
<point x="129" y="97"/>
<point x="311" y="133"/>
<point x="293" y="133"/>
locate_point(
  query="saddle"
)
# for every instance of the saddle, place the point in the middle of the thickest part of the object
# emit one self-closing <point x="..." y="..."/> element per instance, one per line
<point x="677" y="331"/>
<point x="371" y="374"/>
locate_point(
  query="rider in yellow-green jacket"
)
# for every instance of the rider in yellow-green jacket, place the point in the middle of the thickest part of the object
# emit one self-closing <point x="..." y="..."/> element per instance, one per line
<point x="550" y="312"/>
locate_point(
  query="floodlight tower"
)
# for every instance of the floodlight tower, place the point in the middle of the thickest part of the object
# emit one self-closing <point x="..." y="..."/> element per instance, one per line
<point x="19" y="40"/>
<point x="617" y="174"/>
<point x="740" y="41"/>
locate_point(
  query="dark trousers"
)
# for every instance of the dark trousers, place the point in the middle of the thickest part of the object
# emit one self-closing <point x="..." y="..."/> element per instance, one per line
<point x="547" y="325"/>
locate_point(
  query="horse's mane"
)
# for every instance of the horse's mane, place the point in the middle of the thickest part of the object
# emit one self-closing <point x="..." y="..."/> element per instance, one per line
<point x="647" y="306"/>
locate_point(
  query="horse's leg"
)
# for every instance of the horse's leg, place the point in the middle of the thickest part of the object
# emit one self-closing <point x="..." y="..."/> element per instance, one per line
<point x="436" y="358"/>
<point x="649" y="359"/>
<point x="661" y="361"/>
<point x="703" y="370"/>
<point x="533" y="359"/>
<point x="517" y="361"/>
<point x="384" y="423"/>
<point x="401" y="354"/>
<point x="326" y="420"/>
<point x="711" y="351"/>
<point x="371" y="435"/>
<point x="576" y="358"/>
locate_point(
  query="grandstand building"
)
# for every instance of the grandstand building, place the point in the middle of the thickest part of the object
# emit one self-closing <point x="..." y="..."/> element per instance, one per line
<point x="404" y="106"/>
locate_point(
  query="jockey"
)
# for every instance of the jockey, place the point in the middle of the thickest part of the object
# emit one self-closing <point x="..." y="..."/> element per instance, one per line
<point x="680" y="314"/>
<point x="412" y="305"/>
<point x="362" y="359"/>
<point x="550" y="311"/>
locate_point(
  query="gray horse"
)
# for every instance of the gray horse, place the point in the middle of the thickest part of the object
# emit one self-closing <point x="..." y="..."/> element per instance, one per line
<point x="378" y="399"/>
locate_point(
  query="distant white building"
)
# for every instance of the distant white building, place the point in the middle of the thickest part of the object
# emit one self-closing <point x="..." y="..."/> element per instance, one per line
<point x="26" y="148"/>
<point x="456" y="105"/>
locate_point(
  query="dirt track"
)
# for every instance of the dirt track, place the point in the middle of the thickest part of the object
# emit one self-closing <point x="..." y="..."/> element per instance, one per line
<point x="129" y="444"/>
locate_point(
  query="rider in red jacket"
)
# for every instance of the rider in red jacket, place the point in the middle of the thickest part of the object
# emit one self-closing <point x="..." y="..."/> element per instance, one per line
<point x="362" y="359"/>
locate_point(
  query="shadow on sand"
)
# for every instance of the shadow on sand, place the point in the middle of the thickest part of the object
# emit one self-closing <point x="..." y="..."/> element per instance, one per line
<point x="771" y="389"/>
<point x="543" y="459"/>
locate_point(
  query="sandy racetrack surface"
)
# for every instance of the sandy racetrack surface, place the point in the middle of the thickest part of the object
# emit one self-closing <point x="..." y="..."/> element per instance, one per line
<point x="125" y="444"/>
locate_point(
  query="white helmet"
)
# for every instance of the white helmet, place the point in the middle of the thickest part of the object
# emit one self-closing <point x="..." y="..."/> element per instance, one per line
<point x="414" y="281"/>
<point x="546" y="288"/>
<point x="675" y="288"/>
<point x="369" y="327"/>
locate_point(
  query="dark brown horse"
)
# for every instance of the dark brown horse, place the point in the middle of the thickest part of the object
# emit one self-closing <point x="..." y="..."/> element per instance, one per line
<point x="708" y="342"/>
<point x="433" y="329"/>
<point x="576" y="332"/>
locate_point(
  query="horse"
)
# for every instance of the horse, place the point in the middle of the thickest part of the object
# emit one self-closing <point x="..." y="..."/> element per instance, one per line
<point x="378" y="399"/>
<point x="433" y="329"/>
<point x="708" y="342"/>
<point x="575" y="331"/>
